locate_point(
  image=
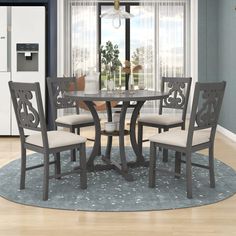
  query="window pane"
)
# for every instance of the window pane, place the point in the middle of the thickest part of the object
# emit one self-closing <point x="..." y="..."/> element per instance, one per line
<point x="116" y="37"/>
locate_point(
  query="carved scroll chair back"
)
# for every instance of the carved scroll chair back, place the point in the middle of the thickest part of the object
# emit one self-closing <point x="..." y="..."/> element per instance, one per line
<point x="206" y="107"/>
<point x="57" y="88"/>
<point x="28" y="107"/>
<point x="204" y="117"/>
<point x="179" y="90"/>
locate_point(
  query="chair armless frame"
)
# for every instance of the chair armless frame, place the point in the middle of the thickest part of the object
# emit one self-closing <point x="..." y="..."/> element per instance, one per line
<point x="31" y="117"/>
<point x="204" y="117"/>
<point x="179" y="91"/>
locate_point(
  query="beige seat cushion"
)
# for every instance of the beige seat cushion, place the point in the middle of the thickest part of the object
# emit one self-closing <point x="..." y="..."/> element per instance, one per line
<point x="75" y="119"/>
<point x="56" y="139"/>
<point x="179" y="137"/>
<point x="161" y="119"/>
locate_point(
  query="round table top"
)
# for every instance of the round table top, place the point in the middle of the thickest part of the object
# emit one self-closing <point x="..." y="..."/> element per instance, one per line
<point x="117" y="95"/>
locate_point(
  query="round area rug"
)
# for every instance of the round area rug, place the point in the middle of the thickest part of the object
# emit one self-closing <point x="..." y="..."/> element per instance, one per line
<point x="108" y="191"/>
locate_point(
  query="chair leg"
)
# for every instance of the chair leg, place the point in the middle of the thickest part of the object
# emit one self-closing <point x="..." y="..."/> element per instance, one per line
<point x="83" y="170"/>
<point x="159" y="131"/>
<point x="211" y="166"/>
<point x="140" y="137"/>
<point x="23" y="167"/>
<point x="189" y="175"/>
<point x="57" y="158"/>
<point x="46" y="177"/>
<point x="78" y="131"/>
<point x="152" y="165"/>
<point x="165" y="151"/>
<point x="177" y="164"/>
<point x="73" y="152"/>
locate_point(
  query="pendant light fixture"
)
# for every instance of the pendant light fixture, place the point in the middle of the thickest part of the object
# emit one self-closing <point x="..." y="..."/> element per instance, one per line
<point x="116" y="14"/>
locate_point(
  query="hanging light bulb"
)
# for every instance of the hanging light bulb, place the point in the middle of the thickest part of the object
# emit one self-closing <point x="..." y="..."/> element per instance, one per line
<point x="116" y="14"/>
<point x="116" y="22"/>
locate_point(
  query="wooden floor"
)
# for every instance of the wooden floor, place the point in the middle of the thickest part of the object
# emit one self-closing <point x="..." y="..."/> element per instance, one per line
<point x="216" y="219"/>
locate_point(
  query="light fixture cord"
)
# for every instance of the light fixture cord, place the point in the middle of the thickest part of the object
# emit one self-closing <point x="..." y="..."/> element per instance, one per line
<point x="117" y="4"/>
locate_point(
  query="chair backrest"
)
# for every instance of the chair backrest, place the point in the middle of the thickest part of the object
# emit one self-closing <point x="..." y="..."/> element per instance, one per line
<point x="28" y="107"/>
<point x="57" y="88"/>
<point x="206" y="107"/>
<point x="179" y="90"/>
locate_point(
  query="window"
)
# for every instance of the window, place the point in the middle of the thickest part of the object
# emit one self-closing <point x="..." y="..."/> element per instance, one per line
<point x="117" y="37"/>
<point x="165" y="28"/>
<point x="156" y="38"/>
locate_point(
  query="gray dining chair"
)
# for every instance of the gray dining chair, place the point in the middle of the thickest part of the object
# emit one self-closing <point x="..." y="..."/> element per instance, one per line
<point x="56" y="88"/>
<point x="28" y="107"/>
<point x="178" y="89"/>
<point x="200" y="135"/>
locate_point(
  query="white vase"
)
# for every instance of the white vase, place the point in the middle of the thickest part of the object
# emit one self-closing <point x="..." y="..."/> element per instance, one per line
<point x="110" y="85"/>
<point x="116" y="120"/>
<point x="92" y="82"/>
<point x="141" y="84"/>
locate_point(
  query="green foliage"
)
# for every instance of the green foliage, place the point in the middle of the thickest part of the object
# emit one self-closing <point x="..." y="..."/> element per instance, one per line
<point x="110" y="57"/>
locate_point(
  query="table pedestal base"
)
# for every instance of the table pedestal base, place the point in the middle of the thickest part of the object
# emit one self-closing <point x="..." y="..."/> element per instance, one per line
<point x="122" y="167"/>
<point x="112" y="165"/>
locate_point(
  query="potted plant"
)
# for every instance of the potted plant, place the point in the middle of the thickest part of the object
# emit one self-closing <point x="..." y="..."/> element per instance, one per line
<point x="110" y="58"/>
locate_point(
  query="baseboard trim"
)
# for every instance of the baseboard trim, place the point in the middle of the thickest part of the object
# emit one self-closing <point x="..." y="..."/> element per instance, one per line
<point x="227" y="133"/>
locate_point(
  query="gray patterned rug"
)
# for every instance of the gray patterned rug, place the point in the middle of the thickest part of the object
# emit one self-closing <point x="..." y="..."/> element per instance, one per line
<point x="108" y="191"/>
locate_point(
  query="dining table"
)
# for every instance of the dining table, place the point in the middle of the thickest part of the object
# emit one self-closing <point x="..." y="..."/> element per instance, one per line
<point x="139" y="97"/>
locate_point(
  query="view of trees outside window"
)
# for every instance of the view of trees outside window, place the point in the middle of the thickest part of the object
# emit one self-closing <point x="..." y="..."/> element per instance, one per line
<point x="110" y="62"/>
<point x="117" y="38"/>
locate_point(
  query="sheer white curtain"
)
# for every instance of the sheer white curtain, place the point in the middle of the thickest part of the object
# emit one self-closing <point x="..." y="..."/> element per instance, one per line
<point x="78" y="39"/>
<point x="172" y="38"/>
<point x="82" y="48"/>
<point x="163" y="24"/>
<point x="148" y="41"/>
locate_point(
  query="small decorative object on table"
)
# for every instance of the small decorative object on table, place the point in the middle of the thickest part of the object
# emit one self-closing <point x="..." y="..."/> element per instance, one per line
<point x="92" y="82"/>
<point x="116" y="119"/>
<point x="130" y="70"/>
<point x="141" y="85"/>
<point x="131" y="82"/>
<point x="110" y="85"/>
<point x="110" y="126"/>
